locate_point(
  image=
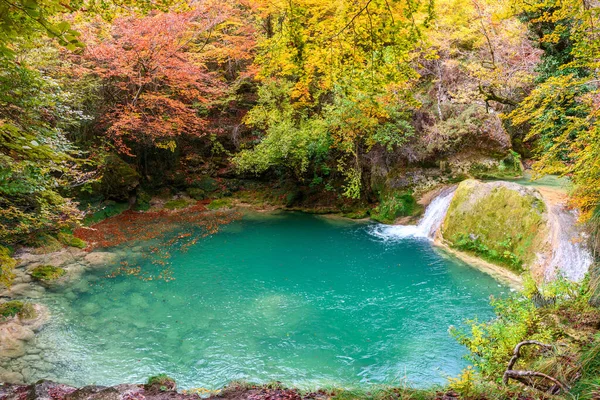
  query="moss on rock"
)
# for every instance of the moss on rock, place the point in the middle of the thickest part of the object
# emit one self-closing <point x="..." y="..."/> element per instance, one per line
<point x="502" y="222"/>
<point x="176" y="204"/>
<point x="163" y="382"/>
<point x="47" y="273"/>
<point x="196" y="193"/>
<point x="69" y="240"/>
<point x="22" y="309"/>
<point x="219" y="203"/>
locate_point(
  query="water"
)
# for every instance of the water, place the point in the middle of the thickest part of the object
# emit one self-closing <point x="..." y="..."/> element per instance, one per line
<point x="305" y="300"/>
<point x="571" y="257"/>
<point x="427" y="227"/>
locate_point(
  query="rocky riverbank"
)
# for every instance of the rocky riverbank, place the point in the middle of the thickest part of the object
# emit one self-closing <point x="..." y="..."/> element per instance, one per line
<point x="48" y="390"/>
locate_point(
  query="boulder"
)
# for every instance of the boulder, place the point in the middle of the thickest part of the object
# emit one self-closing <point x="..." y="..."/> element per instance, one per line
<point x="502" y="222"/>
<point x="517" y="227"/>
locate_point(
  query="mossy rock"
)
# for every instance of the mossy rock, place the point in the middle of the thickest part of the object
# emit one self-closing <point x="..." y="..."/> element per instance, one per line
<point x="118" y="179"/>
<point x="162" y="382"/>
<point x="219" y="204"/>
<point x="196" y="193"/>
<point x="177" y="204"/>
<point x="69" y="240"/>
<point x="394" y="205"/>
<point x="502" y="222"/>
<point x="7" y="265"/>
<point x="206" y="183"/>
<point x="22" y="309"/>
<point x="47" y="273"/>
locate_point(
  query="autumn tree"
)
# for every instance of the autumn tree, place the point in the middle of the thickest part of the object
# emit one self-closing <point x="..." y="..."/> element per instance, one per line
<point x="336" y="81"/>
<point x="563" y="109"/>
<point x="162" y="73"/>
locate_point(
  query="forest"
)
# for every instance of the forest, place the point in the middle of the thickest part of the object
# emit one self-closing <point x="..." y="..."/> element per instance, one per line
<point x="121" y="119"/>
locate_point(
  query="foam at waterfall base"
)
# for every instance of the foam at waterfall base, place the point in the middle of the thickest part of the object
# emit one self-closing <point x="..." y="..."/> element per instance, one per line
<point x="427" y="226"/>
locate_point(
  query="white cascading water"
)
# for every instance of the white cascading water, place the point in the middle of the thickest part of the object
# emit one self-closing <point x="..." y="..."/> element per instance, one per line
<point x="427" y="226"/>
<point x="570" y="256"/>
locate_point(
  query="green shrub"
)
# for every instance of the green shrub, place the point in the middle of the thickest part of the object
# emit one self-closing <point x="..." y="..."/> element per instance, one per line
<point x="7" y="264"/>
<point x="394" y="205"/>
<point x="47" y="273"/>
<point x="11" y="308"/>
<point x="557" y="314"/>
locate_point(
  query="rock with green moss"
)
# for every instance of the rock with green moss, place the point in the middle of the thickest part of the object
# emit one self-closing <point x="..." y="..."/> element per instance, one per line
<point x="119" y="179"/>
<point x="219" y="204"/>
<point x="196" y="193"/>
<point x="18" y="308"/>
<point x="176" y="204"/>
<point x="504" y="223"/>
<point x="69" y="240"/>
<point x="47" y="273"/>
<point x="162" y="382"/>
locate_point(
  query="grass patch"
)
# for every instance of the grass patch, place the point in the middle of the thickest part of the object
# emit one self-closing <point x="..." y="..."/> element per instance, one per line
<point x="11" y="308"/>
<point x="47" y="273"/>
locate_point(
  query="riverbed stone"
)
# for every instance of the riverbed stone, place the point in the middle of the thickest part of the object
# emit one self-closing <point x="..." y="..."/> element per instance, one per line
<point x="8" y="376"/>
<point x="100" y="259"/>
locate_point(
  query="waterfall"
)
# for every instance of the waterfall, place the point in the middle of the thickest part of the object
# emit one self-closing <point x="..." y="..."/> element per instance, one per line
<point x="427" y="226"/>
<point x="570" y="256"/>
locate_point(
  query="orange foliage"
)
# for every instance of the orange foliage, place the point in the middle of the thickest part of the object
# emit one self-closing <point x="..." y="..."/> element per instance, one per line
<point x="161" y="73"/>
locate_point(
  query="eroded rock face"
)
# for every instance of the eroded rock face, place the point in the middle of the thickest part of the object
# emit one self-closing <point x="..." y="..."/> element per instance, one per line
<point x="515" y="226"/>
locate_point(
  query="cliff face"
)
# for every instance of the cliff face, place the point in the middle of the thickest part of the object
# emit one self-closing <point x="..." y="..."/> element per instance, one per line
<point x="516" y="227"/>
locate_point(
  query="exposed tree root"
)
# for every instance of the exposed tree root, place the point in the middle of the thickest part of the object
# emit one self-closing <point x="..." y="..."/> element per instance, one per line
<point x="527" y="377"/>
